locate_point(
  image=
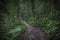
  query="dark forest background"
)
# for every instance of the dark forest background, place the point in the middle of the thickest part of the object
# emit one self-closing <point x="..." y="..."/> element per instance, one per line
<point x="42" y="14"/>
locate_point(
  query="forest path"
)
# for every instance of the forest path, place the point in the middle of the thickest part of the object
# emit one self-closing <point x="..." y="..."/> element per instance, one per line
<point x="28" y="26"/>
<point x="33" y="33"/>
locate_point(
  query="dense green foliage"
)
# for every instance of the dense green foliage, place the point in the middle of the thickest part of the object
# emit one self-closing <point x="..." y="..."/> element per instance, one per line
<point x="38" y="13"/>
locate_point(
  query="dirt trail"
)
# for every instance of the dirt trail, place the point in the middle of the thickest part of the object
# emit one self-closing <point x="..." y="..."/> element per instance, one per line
<point x="33" y="33"/>
<point x="29" y="27"/>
